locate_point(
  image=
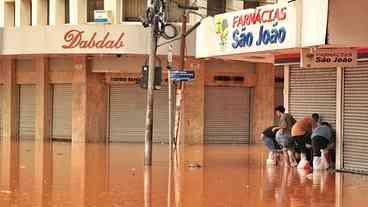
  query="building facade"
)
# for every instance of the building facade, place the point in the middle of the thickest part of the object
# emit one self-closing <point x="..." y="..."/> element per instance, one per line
<point x="287" y="35"/>
<point x="65" y="77"/>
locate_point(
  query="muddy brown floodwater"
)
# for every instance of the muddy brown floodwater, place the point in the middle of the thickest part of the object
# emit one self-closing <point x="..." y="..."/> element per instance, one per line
<point x="66" y="174"/>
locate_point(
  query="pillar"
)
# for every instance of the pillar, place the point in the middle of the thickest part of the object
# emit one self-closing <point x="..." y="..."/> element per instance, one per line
<point x="39" y="12"/>
<point x="264" y="101"/>
<point x="89" y="104"/>
<point x="89" y="174"/>
<point x="10" y="101"/>
<point x="78" y="12"/>
<point x="43" y="166"/>
<point x="22" y="13"/>
<point x="9" y="171"/>
<point x="115" y="6"/>
<point x="194" y="106"/>
<point x="43" y="98"/>
<point x="57" y="12"/>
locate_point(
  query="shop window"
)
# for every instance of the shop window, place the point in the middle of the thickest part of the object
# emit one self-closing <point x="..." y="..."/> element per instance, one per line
<point x="234" y="79"/>
<point x="67" y="12"/>
<point x="9" y="14"/>
<point x="93" y="5"/>
<point x="250" y="4"/>
<point x="216" y="7"/>
<point x="133" y="9"/>
<point x="30" y="11"/>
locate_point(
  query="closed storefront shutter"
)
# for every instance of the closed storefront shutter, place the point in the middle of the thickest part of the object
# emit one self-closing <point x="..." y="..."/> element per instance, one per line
<point x="27" y="111"/>
<point x="128" y="112"/>
<point x="355" y="119"/>
<point x="313" y="91"/>
<point x="62" y="112"/>
<point x="227" y="115"/>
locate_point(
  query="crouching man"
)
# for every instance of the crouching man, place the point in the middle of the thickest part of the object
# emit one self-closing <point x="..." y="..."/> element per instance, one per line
<point x="283" y="138"/>
<point x="321" y="138"/>
<point x="301" y="136"/>
<point x="268" y="137"/>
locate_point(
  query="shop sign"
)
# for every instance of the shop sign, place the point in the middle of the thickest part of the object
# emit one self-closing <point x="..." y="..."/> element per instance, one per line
<point x="80" y="39"/>
<point x="123" y="78"/>
<point x="264" y="28"/>
<point x="328" y="57"/>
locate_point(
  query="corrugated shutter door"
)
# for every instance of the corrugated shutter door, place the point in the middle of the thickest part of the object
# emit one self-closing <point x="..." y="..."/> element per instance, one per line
<point x="227" y="115"/>
<point x="355" y="119"/>
<point x="27" y="111"/>
<point x="62" y="112"/>
<point x="161" y="116"/>
<point x="128" y="113"/>
<point x="313" y="91"/>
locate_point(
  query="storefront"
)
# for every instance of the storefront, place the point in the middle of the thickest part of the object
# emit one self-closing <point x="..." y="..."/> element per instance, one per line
<point x="287" y="37"/>
<point x="355" y="119"/>
<point x="62" y="95"/>
<point x="312" y="91"/>
<point x="82" y="84"/>
<point x="127" y="112"/>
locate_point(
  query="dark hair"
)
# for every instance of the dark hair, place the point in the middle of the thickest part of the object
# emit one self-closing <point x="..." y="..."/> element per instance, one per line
<point x="280" y="109"/>
<point x="315" y="116"/>
<point x="326" y="124"/>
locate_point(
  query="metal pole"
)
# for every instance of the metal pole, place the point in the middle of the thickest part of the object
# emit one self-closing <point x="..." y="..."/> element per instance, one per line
<point x="171" y="89"/>
<point x="151" y="77"/>
<point x="181" y="85"/>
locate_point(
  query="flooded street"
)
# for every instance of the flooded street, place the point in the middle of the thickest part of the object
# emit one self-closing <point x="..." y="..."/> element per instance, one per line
<point x="66" y="174"/>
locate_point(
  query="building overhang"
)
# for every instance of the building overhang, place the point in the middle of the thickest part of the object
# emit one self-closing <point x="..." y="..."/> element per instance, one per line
<point x="126" y="38"/>
<point x="266" y="33"/>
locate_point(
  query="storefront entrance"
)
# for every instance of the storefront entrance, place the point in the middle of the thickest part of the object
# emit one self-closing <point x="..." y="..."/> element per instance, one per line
<point x="227" y="115"/>
<point x="127" y="112"/>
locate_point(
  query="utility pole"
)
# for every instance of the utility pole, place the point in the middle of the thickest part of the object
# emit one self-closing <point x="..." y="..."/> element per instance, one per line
<point x="151" y="78"/>
<point x="171" y="99"/>
<point x="179" y="90"/>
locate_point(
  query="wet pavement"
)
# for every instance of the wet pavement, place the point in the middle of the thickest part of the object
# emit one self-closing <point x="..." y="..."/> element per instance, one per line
<point x="66" y="174"/>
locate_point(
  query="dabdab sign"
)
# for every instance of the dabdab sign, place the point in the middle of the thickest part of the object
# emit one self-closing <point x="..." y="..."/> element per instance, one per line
<point x="264" y="28"/>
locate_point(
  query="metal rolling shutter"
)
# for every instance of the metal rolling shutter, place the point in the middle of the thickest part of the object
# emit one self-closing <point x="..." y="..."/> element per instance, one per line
<point x="27" y="111"/>
<point x="313" y="91"/>
<point x="161" y="116"/>
<point x="62" y="112"/>
<point x="355" y="120"/>
<point x="227" y="115"/>
<point x="128" y="113"/>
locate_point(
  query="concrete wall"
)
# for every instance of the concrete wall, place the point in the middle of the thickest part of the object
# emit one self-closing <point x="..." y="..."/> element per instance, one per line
<point x="264" y="101"/>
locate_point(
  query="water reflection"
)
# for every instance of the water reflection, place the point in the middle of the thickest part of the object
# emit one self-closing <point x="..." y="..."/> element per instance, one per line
<point x="74" y="174"/>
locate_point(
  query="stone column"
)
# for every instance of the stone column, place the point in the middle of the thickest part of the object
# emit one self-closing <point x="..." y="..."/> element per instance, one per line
<point x="78" y="12"/>
<point x="89" y="106"/>
<point x="43" y="165"/>
<point x="194" y="106"/>
<point x="115" y="6"/>
<point x="43" y="98"/>
<point x="264" y="101"/>
<point x="10" y="100"/>
<point x="39" y="12"/>
<point x="22" y="12"/>
<point x="57" y="12"/>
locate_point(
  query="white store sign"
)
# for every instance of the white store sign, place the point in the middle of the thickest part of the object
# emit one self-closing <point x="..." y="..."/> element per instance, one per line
<point x="328" y="57"/>
<point x="264" y="28"/>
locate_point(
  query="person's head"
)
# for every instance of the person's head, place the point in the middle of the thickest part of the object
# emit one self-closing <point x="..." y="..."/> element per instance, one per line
<point x="326" y="124"/>
<point x="279" y="110"/>
<point x="315" y="117"/>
